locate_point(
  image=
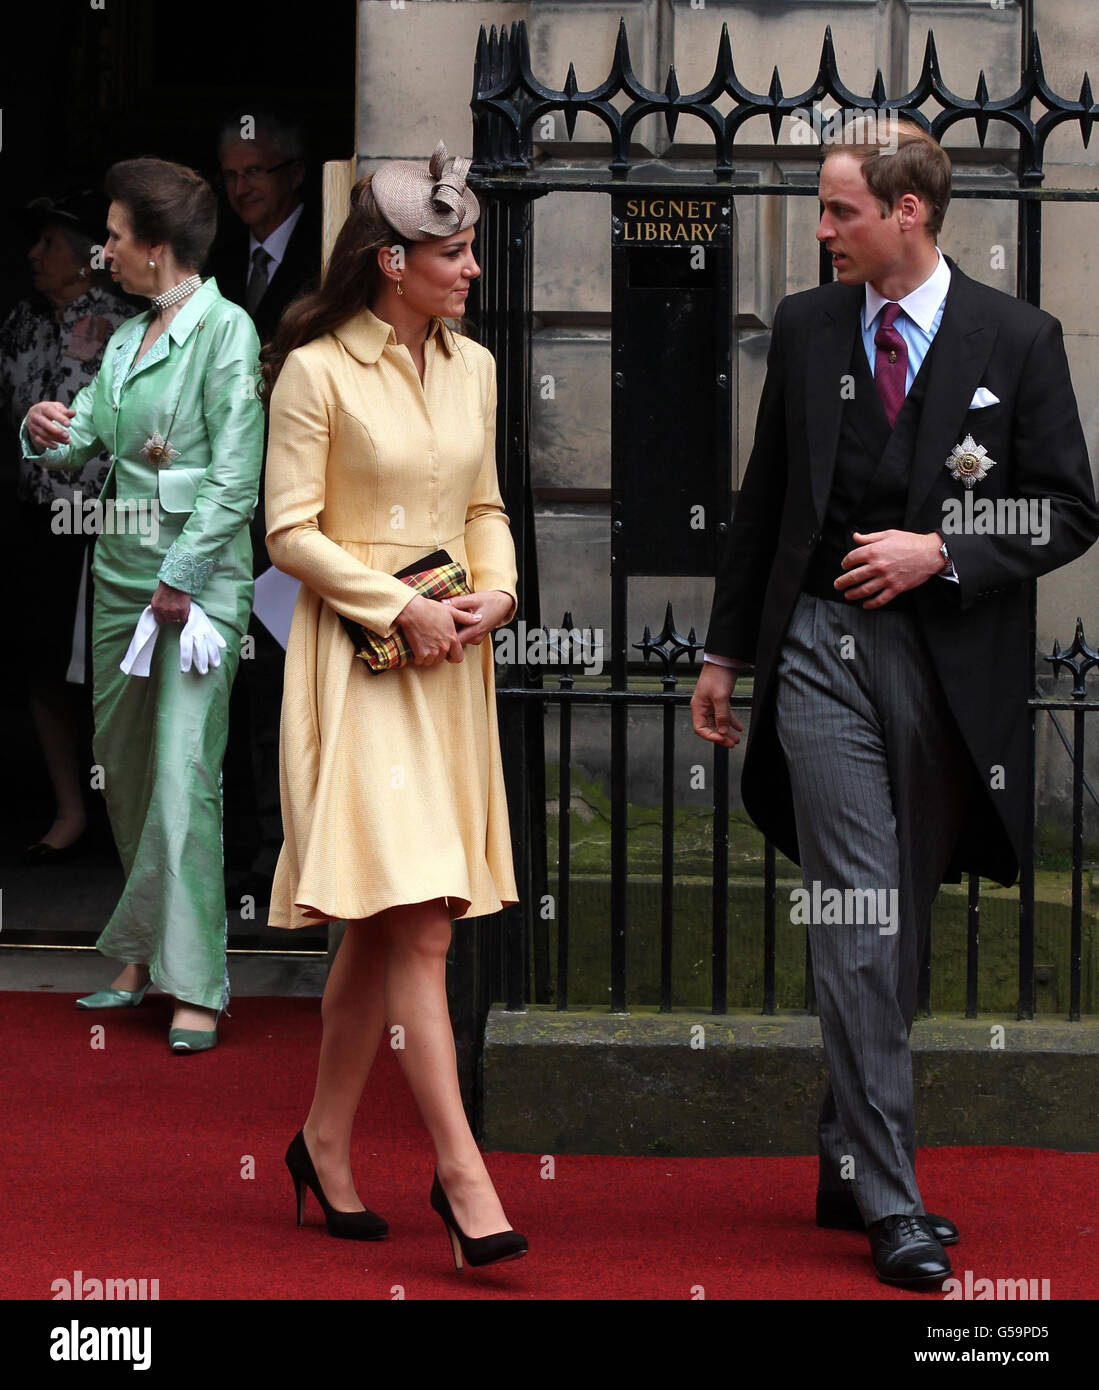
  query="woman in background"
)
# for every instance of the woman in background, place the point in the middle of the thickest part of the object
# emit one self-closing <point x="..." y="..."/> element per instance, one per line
<point x="51" y="345"/>
<point x="176" y="405"/>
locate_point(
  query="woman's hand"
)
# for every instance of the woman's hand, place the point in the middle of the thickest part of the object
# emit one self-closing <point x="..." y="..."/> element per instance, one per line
<point x="432" y="629"/>
<point x="490" y="609"/>
<point x="46" y="423"/>
<point x="170" y="605"/>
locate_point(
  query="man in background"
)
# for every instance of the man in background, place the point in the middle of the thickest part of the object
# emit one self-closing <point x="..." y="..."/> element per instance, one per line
<point x="268" y="254"/>
<point x="273" y="251"/>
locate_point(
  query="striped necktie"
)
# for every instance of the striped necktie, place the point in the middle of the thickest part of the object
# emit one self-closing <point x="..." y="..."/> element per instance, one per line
<point x="257" y="281"/>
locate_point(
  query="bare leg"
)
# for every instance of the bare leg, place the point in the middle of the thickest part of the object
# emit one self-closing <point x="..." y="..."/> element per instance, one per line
<point x="415" y="996"/>
<point x="53" y="721"/>
<point x="353" y="1013"/>
<point x="193" y="1016"/>
<point x="131" y="978"/>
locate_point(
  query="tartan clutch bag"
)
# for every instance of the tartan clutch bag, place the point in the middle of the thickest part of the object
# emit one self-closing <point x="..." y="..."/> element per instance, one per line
<point x="435" y="576"/>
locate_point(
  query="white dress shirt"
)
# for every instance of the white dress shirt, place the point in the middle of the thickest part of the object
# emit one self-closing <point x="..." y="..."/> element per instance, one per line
<point x="917" y="325"/>
<point x="275" y="245"/>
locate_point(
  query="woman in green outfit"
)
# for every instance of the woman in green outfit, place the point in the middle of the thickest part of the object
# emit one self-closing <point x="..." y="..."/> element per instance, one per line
<point x="175" y="405"/>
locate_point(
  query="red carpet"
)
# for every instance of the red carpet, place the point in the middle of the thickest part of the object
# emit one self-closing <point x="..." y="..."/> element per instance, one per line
<point x="127" y="1162"/>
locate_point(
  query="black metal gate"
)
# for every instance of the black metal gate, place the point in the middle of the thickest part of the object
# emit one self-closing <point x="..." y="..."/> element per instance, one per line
<point x="512" y="964"/>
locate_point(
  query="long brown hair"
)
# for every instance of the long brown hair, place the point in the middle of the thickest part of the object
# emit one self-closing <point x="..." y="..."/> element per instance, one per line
<point x="350" y="284"/>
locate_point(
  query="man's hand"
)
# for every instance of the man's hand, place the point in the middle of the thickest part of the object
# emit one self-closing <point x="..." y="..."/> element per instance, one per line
<point x="711" y="717"/>
<point x="887" y="563"/>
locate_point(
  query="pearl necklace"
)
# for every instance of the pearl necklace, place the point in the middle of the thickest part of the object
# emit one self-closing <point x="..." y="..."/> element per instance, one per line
<point x="176" y="293"/>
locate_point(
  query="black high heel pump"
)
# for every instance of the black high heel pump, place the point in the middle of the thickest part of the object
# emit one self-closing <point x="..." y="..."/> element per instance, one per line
<point x="475" y="1250"/>
<point x="348" y="1225"/>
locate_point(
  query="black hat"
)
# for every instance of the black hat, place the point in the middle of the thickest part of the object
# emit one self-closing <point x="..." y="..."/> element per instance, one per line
<point x="84" y="211"/>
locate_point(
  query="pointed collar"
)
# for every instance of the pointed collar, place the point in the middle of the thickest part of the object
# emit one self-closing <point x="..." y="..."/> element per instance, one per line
<point x="366" y="336"/>
<point x="193" y="309"/>
<point x="921" y="305"/>
<point x="179" y="329"/>
<point x="279" y="239"/>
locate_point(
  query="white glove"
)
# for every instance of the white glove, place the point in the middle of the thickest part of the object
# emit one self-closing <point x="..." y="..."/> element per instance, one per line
<point x="139" y="654"/>
<point x="199" y="642"/>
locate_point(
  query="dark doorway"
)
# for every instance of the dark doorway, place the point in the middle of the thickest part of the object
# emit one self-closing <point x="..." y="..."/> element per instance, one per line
<point x="87" y="86"/>
<point x="89" y="82"/>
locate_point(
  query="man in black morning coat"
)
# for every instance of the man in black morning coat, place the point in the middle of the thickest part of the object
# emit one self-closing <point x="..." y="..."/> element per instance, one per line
<point x="268" y="252"/>
<point x="888" y="735"/>
<point x="262" y="159"/>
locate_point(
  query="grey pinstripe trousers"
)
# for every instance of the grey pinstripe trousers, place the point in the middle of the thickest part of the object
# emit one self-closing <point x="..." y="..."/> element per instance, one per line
<point x="878" y="772"/>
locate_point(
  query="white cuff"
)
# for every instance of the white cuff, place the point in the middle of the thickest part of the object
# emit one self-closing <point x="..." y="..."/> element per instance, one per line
<point x="731" y="661"/>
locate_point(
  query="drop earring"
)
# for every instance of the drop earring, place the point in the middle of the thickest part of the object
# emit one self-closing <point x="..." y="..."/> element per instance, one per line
<point x="399" y="288"/>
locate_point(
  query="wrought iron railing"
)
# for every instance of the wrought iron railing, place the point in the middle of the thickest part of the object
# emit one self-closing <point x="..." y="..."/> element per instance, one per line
<point x="508" y="102"/>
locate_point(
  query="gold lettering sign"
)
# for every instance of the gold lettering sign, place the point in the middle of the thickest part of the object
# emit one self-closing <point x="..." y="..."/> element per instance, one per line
<point x="669" y="221"/>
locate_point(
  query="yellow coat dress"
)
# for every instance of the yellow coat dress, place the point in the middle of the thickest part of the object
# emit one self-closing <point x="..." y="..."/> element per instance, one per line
<point x="392" y="786"/>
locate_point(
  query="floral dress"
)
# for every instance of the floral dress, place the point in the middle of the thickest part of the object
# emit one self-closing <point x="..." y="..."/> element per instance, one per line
<point x="46" y="356"/>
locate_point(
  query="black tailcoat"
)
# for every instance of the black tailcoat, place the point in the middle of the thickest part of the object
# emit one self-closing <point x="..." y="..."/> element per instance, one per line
<point x="299" y="269"/>
<point x="977" y="631"/>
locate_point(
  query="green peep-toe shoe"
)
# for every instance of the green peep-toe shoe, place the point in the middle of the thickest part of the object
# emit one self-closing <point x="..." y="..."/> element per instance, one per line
<point x="114" y="998"/>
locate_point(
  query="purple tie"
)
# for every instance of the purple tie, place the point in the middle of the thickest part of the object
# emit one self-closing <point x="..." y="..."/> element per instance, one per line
<point x="890" y="363"/>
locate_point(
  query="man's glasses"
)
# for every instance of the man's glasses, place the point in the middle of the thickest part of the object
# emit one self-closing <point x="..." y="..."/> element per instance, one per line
<point x="253" y="173"/>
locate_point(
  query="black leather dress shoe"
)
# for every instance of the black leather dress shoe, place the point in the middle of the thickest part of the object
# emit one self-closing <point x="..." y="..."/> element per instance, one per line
<point x="838" y="1211"/>
<point x="905" y="1252"/>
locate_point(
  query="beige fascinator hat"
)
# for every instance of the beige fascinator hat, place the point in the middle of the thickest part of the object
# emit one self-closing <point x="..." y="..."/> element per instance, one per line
<point x="422" y="204"/>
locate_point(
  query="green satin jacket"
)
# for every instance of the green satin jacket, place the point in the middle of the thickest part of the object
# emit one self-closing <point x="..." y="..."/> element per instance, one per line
<point x="196" y="388"/>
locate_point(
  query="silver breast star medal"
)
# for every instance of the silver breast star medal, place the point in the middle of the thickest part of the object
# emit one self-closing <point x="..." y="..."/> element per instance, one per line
<point x="159" y="451"/>
<point x="969" y="462"/>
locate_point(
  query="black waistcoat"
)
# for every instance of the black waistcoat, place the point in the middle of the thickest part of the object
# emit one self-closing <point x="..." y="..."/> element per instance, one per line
<point x="873" y="465"/>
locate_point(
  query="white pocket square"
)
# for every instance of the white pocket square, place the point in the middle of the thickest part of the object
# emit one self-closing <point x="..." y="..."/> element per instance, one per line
<point x="982" y="397"/>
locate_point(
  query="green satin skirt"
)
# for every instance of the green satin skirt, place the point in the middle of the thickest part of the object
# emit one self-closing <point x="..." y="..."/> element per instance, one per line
<point x="158" y="747"/>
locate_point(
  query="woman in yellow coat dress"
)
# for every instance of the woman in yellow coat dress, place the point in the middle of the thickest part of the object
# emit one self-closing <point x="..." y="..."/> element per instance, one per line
<point x="381" y="451"/>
